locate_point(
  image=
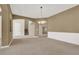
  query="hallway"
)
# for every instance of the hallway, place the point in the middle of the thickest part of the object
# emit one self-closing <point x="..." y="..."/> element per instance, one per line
<point x="39" y="46"/>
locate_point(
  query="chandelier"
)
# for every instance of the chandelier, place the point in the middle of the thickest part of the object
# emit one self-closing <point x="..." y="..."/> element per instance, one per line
<point x="41" y="22"/>
<point x="41" y="11"/>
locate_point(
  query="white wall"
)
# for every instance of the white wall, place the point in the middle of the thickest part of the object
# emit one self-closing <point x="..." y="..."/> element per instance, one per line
<point x="18" y="27"/>
<point x="66" y="37"/>
<point x="31" y="28"/>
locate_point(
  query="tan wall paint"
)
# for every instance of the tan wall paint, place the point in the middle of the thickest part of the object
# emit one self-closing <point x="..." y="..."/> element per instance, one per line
<point x="18" y="17"/>
<point x="6" y="18"/>
<point x="67" y="21"/>
<point x="21" y="17"/>
<point x="0" y="29"/>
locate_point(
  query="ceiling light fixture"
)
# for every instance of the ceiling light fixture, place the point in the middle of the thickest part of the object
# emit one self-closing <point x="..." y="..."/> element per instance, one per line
<point x="41" y="22"/>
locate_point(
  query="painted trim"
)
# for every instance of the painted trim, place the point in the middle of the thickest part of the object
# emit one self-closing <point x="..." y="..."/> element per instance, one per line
<point x="7" y="45"/>
<point x="64" y="36"/>
<point x="11" y="42"/>
<point x="26" y="36"/>
<point x="4" y="46"/>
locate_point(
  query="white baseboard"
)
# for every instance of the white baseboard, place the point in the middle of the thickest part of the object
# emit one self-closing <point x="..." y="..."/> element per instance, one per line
<point x="64" y="36"/>
<point x="23" y="37"/>
<point x="11" y="42"/>
<point x="4" y="46"/>
<point x="7" y="45"/>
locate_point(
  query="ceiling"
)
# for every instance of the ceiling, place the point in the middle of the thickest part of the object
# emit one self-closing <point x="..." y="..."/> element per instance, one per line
<point x="34" y="11"/>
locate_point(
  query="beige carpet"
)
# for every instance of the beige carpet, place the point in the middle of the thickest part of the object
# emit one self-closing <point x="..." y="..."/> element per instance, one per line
<point x="40" y="46"/>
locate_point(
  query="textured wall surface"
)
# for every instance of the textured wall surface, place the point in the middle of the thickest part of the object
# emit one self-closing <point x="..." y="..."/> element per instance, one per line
<point x="6" y="25"/>
<point x="67" y="21"/>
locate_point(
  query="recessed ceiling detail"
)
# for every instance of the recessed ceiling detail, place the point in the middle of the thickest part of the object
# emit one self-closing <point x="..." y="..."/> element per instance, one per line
<point x="33" y="10"/>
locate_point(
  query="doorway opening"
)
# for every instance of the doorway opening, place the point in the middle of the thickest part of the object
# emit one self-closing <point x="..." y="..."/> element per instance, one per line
<point x="43" y="28"/>
<point x="26" y="31"/>
<point x="18" y="27"/>
<point x="23" y="28"/>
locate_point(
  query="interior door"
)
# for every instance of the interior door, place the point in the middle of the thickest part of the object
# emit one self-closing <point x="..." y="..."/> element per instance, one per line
<point x="18" y="28"/>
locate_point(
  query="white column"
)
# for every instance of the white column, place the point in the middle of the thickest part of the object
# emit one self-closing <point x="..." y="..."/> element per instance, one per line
<point x="40" y="30"/>
<point x="31" y="28"/>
